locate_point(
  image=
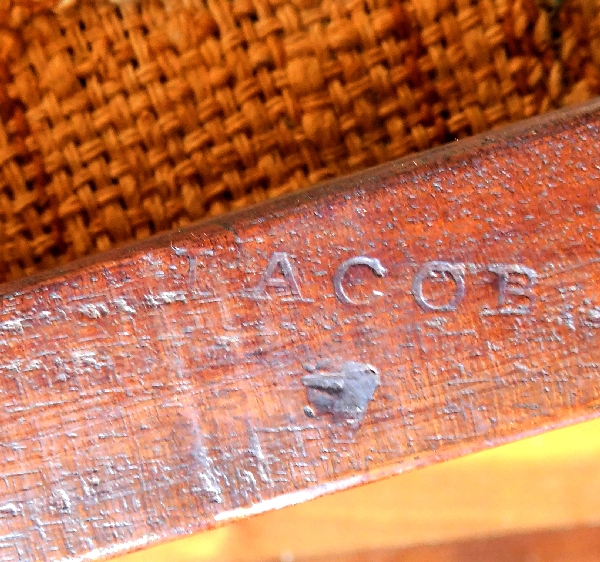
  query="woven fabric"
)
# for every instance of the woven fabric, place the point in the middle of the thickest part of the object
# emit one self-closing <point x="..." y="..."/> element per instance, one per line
<point x="120" y="121"/>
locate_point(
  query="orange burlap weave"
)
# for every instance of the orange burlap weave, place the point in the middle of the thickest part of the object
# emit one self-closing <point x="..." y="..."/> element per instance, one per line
<point x="119" y="121"/>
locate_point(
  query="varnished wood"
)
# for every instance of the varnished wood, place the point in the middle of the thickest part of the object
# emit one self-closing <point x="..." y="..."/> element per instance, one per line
<point x="413" y="313"/>
<point x="549" y="481"/>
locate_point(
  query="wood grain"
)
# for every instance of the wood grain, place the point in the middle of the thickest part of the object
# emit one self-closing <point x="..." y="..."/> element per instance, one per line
<point x="413" y="313"/>
<point x="547" y="482"/>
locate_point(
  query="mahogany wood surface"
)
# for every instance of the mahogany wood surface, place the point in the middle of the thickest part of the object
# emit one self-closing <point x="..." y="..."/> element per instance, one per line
<point x="416" y="312"/>
<point x="547" y="482"/>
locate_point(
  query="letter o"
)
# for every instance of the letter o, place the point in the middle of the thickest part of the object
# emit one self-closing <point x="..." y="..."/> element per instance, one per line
<point x="454" y="270"/>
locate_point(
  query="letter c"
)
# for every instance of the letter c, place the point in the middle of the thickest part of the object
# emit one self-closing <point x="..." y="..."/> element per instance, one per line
<point x="341" y="271"/>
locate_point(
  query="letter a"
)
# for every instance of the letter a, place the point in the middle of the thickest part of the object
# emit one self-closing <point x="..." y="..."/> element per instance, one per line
<point x="278" y="260"/>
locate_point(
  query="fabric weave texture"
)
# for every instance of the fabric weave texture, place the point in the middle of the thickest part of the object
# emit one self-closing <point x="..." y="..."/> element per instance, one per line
<point x="118" y="121"/>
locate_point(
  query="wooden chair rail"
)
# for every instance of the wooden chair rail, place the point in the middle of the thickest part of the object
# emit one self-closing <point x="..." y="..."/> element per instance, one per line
<point x="418" y="311"/>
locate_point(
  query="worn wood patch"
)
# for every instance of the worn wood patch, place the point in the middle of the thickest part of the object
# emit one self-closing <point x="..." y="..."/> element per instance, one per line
<point x="415" y="312"/>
